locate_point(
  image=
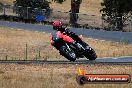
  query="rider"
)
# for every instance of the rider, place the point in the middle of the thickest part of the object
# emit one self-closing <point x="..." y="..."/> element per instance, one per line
<point x="64" y="33"/>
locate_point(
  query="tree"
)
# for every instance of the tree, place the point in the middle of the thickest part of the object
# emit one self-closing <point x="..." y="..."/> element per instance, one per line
<point x="30" y="8"/>
<point x="75" y="6"/>
<point x="116" y="12"/>
<point x="1" y="6"/>
<point x="26" y="8"/>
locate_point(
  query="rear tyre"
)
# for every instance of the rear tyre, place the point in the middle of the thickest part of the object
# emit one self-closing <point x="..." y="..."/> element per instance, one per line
<point x="90" y="54"/>
<point x="70" y="55"/>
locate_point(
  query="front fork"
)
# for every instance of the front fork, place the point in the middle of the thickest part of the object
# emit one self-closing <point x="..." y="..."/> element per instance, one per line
<point x="68" y="47"/>
<point x="84" y="47"/>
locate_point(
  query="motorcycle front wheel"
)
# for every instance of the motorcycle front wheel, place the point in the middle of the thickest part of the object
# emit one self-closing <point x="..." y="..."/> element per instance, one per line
<point x="90" y="54"/>
<point x="69" y="54"/>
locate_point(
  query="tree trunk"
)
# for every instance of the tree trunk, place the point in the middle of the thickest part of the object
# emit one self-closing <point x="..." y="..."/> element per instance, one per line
<point x="75" y="5"/>
<point x="120" y="21"/>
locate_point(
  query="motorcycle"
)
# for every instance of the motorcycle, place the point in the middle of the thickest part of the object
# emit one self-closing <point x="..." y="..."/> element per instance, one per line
<point x="72" y="51"/>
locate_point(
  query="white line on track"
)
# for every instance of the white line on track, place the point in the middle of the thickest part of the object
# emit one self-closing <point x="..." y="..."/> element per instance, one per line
<point x="19" y="29"/>
<point x="102" y="40"/>
<point x="98" y="39"/>
<point x="36" y="31"/>
<point x="116" y="57"/>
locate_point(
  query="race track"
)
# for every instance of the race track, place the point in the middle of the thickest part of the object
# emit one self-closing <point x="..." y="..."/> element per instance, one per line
<point x="104" y="61"/>
<point x="96" y="34"/>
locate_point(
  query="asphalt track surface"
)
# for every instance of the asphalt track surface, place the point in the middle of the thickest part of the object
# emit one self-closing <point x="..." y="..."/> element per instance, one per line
<point x="96" y="34"/>
<point x="104" y="61"/>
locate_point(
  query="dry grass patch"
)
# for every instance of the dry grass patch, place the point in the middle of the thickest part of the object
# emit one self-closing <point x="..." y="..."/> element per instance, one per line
<point x="109" y="48"/>
<point x="13" y="45"/>
<point x="56" y="76"/>
<point x="91" y="7"/>
<point x="7" y="1"/>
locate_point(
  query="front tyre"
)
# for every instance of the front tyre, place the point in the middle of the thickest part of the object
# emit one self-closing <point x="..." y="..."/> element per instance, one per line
<point x="69" y="54"/>
<point x="90" y="54"/>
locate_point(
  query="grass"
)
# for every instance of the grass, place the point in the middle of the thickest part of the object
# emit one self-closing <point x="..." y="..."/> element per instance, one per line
<point x="56" y="76"/>
<point x="110" y="49"/>
<point x="7" y="1"/>
<point x="13" y="46"/>
<point x="91" y="7"/>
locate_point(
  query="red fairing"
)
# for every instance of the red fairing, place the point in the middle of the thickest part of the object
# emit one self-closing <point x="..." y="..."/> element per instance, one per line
<point x="68" y="39"/>
<point x="59" y="34"/>
<point x="65" y="37"/>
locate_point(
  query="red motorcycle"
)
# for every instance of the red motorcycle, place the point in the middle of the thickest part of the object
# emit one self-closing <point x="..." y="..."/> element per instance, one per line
<point x="72" y="51"/>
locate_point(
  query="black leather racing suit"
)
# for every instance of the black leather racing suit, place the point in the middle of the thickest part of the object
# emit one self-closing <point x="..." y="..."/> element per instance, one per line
<point x="69" y="33"/>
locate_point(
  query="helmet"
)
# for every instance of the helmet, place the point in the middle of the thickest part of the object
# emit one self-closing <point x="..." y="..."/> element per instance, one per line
<point x="57" y="24"/>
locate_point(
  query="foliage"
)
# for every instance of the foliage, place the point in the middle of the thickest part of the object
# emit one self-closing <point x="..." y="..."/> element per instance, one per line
<point x="1" y="6"/>
<point x="33" y="3"/>
<point x="26" y="8"/>
<point x="116" y="11"/>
